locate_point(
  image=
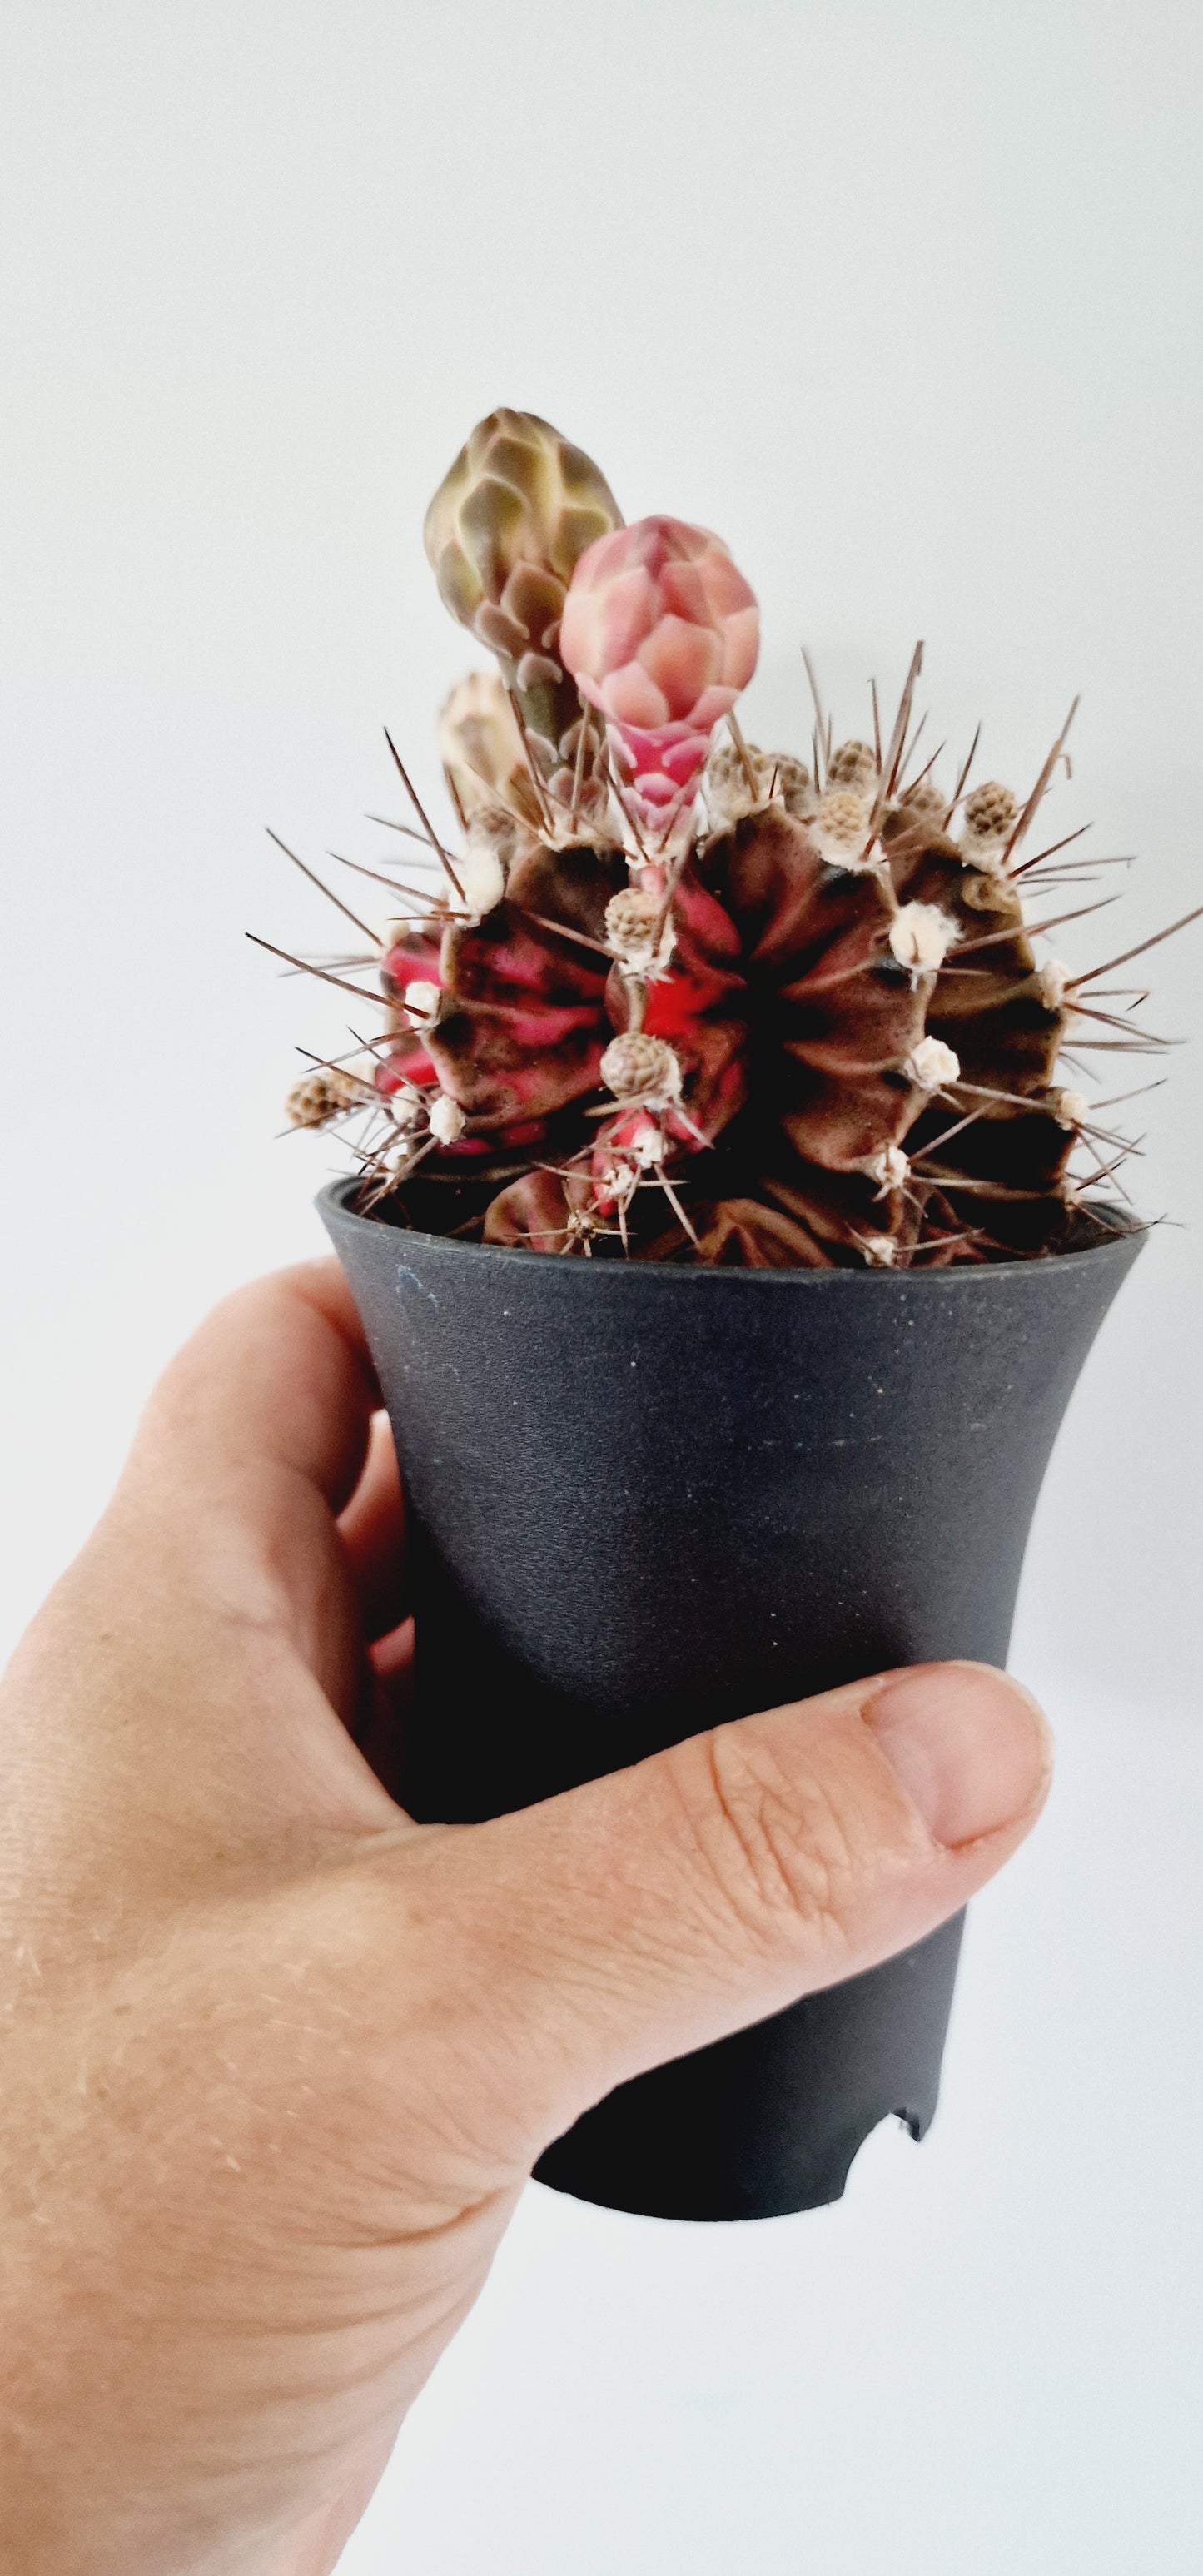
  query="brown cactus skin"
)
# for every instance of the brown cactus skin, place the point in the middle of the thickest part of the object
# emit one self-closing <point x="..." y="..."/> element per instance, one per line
<point x="503" y="533"/>
<point x="522" y="1028"/>
<point x="829" y="1103"/>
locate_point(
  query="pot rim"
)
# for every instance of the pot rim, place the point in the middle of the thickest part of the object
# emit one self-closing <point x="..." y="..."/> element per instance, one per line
<point x="1130" y="1232"/>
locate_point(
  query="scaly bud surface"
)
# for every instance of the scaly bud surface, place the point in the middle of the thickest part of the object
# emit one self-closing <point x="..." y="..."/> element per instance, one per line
<point x="661" y="632"/>
<point x="504" y="533"/>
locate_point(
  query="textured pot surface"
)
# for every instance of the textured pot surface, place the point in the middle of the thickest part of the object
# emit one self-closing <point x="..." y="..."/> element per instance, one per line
<point x="643" y="1500"/>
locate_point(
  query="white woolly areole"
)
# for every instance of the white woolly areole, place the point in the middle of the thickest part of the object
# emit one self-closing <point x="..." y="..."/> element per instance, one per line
<point x="1071" y="1108"/>
<point x="648" y="1147"/>
<point x="482" y="877"/>
<point x="636" y="1066"/>
<point x="921" y="935"/>
<point x="422" y="999"/>
<point x="404" y="1107"/>
<point x="1054" y="983"/>
<point x="932" y="1063"/>
<point x="447" y="1120"/>
<point x="880" y="1249"/>
<point x="889" y="1166"/>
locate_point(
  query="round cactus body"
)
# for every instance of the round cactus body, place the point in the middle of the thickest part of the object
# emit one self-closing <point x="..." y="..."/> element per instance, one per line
<point x="787" y="1059"/>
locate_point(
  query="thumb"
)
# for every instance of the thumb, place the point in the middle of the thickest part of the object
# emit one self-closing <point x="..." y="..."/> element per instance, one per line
<point x="648" y="1913"/>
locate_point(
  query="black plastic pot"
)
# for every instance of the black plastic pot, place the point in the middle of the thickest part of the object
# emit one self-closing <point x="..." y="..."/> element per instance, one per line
<point x="643" y="1500"/>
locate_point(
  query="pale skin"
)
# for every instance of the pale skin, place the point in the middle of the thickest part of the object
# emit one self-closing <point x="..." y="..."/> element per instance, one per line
<point x="277" y="2061"/>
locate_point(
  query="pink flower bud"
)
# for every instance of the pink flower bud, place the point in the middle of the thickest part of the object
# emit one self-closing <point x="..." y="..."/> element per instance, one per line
<point x="660" y="632"/>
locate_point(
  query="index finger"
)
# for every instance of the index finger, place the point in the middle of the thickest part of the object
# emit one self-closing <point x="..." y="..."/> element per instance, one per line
<point x="278" y="1375"/>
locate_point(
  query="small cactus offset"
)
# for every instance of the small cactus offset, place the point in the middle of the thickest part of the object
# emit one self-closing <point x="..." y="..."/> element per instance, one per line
<point x="679" y="998"/>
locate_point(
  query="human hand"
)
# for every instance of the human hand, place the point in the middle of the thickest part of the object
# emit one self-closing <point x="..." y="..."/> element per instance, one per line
<point x="277" y="2060"/>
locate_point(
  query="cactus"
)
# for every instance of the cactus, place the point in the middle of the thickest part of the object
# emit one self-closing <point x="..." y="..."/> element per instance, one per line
<point x="690" y="1001"/>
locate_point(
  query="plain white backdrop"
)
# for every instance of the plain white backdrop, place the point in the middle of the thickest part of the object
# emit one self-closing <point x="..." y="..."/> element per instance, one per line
<point x="904" y="300"/>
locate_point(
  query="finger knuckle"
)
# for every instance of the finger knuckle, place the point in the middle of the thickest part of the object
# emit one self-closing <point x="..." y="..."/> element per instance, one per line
<point x="776" y="1843"/>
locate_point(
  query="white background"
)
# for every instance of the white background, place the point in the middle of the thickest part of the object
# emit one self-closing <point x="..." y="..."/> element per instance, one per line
<point x="903" y="300"/>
